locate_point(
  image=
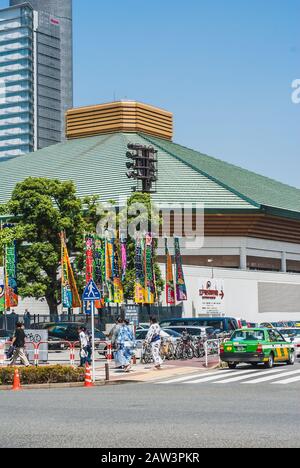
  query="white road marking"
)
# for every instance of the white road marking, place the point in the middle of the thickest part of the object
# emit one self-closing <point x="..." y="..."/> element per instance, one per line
<point x="218" y="377"/>
<point x="195" y="376"/>
<point x="237" y="379"/>
<point x="287" y="381"/>
<point x="272" y="377"/>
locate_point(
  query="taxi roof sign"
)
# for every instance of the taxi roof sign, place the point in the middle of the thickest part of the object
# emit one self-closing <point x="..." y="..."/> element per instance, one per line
<point x="91" y="292"/>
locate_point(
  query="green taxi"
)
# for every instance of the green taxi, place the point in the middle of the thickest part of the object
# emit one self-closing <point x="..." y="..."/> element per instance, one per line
<point x="257" y="346"/>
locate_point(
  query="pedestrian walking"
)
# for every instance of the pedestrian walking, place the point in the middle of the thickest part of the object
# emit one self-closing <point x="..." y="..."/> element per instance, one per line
<point x="153" y="338"/>
<point x="18" y="342"/>
<point x="125" y="345"/>
<point x="114" y="333"/>
<point x="83" y="346"/>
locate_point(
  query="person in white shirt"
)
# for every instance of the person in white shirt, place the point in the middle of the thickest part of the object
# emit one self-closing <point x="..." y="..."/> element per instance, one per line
<point x="83" y="346"/>
<point x="153" y="338"/>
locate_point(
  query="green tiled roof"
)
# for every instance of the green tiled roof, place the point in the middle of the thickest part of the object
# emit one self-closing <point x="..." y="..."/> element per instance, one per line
<point x="97" y="166"/>
<point x="256" y="188"/>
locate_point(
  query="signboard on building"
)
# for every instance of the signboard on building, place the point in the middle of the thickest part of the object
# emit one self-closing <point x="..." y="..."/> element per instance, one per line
<point x="211" y="297"/>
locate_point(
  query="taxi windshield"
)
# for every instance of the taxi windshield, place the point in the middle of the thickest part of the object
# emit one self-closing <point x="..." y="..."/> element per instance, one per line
<point x="251" y="335"/>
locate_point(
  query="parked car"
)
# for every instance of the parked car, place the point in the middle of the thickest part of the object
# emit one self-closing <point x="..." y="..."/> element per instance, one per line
<point x="5" y="335"/>
<point x="202" y="332"/>
<point x="68" y="332"/>
<point x="220" y="324"/>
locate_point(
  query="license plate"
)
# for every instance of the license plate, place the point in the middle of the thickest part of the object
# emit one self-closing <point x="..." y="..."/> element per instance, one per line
<point x="240" y="348"/>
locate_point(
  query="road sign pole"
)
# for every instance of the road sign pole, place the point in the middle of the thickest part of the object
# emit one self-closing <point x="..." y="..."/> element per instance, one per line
<point x="93" y="340"/>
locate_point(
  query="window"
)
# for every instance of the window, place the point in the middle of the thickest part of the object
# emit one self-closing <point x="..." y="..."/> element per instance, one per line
<point x="243" y="335"/>
<point x="275" y="336"/>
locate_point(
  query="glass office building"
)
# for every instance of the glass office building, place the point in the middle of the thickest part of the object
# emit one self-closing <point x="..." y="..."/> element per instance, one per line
<point x="36" y="74"/>
<point x="16" y="81"/>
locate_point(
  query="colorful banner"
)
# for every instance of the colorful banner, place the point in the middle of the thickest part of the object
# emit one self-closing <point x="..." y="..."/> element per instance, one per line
<point x="11" y="287"/>
<point x="109" y="269"/>
<point x="89" y="258"/>
<point x="181" y="292"/>
<point x="149" y="277"/>
<point x="117" y="280"/>
<point x="124" y="257"/>
<point x="170" y="287"/>
<point x="70" y="296"/>
<point x="99" y="268"/>
<point x="2" y="291"/>
<point x="139" y="293"/>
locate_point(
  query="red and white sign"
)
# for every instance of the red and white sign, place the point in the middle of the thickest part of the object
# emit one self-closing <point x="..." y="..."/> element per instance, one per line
<point x="212" y="296"/>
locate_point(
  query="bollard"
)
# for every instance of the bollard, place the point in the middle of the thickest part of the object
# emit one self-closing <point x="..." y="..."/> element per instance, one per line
<point x="36" y="355"/>
<point x="107" y="372"/>
<point x="72" y="355"/>
<point x="109" y="352"/>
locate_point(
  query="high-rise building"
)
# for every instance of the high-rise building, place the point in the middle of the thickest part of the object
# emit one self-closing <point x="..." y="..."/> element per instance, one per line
<point x="36" y="77"/>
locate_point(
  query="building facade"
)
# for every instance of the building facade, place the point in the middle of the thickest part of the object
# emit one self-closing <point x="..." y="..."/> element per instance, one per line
<point x="35" y="74"/>
<point x="248" y="249"/>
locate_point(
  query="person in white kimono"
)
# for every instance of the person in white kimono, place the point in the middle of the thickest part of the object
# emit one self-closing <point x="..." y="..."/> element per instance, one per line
<point x="153" y="338"/>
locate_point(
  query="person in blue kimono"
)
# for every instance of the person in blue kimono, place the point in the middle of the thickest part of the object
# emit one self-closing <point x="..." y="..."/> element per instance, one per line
<point x="125" y="345"/>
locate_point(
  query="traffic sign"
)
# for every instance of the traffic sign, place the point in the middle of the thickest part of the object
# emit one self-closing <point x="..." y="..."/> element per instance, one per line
<point x="91" y="292"/>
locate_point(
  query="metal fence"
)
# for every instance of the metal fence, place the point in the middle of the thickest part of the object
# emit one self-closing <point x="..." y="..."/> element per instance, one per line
<point x="104" y="317"/>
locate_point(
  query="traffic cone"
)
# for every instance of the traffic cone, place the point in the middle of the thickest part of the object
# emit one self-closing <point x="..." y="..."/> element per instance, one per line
<point x="17" y="384"/>
<point x="88" y="377"/>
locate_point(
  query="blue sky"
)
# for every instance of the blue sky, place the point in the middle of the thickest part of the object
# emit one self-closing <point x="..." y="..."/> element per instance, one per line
<point x="224" y="67"/>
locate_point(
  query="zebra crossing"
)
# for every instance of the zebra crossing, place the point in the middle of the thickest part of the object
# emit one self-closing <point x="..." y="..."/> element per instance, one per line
<point x="247" y="376"/>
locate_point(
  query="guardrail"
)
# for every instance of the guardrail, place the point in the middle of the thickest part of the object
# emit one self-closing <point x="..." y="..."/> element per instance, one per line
<point x="71" y="346"/>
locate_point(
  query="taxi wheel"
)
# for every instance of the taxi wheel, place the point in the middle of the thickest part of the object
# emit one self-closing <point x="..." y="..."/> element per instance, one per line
<point x="232" y="365"/>
<point x="270" y="363"/>
<point x="292" y="359"/>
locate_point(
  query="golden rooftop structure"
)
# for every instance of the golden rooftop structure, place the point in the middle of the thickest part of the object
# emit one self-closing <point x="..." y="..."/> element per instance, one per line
<point x="122" y="116"/>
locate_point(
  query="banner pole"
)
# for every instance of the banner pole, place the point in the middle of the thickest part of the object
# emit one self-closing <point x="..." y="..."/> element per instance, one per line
<point x="93" y="340"/>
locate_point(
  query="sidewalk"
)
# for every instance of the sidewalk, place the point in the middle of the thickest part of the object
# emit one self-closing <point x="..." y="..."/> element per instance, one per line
<point x="147" y="372"/>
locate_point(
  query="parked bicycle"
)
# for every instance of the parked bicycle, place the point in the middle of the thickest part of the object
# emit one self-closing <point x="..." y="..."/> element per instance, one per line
<point x="185" y="348"/>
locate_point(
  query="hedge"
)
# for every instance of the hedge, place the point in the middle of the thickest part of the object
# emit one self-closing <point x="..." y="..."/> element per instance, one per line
<point x="42" y="375"/>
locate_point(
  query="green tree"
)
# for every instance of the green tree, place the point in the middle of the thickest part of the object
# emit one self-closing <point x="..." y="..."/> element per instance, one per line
<point x="41" y="210"/>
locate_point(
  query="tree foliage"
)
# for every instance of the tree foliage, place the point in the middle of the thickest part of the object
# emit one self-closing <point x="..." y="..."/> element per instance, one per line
<point x="42" y="209"/>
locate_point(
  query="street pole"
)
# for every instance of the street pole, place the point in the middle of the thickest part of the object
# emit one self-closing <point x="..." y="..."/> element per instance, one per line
<point x="93" y="340"/>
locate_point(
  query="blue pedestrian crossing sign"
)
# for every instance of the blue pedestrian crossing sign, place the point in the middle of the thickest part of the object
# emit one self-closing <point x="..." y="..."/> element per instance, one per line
<point x="91" y="292"/>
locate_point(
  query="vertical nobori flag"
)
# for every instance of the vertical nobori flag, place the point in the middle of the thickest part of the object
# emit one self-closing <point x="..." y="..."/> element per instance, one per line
<point x="89" y="258"/>
<point x="124" y="257"/>
<point x="2" y="291"/>
<point x="149" y="276"/>
<point x="139" y="292"/>
<point x="99" y="269"/>
<point x="118" y="286"/>
<point x="109" y="269"/>
<point x="170" y="287"/>
<point x="11" y="287"/>
<point x="70" y="295"/>
<point x="181" y="292"/>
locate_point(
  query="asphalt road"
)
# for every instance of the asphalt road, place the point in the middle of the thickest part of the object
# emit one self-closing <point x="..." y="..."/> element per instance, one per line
<point x="148" y="415"/>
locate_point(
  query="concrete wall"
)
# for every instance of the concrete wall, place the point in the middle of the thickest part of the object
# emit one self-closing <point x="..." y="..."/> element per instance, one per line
<point x="241" y="290"/>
